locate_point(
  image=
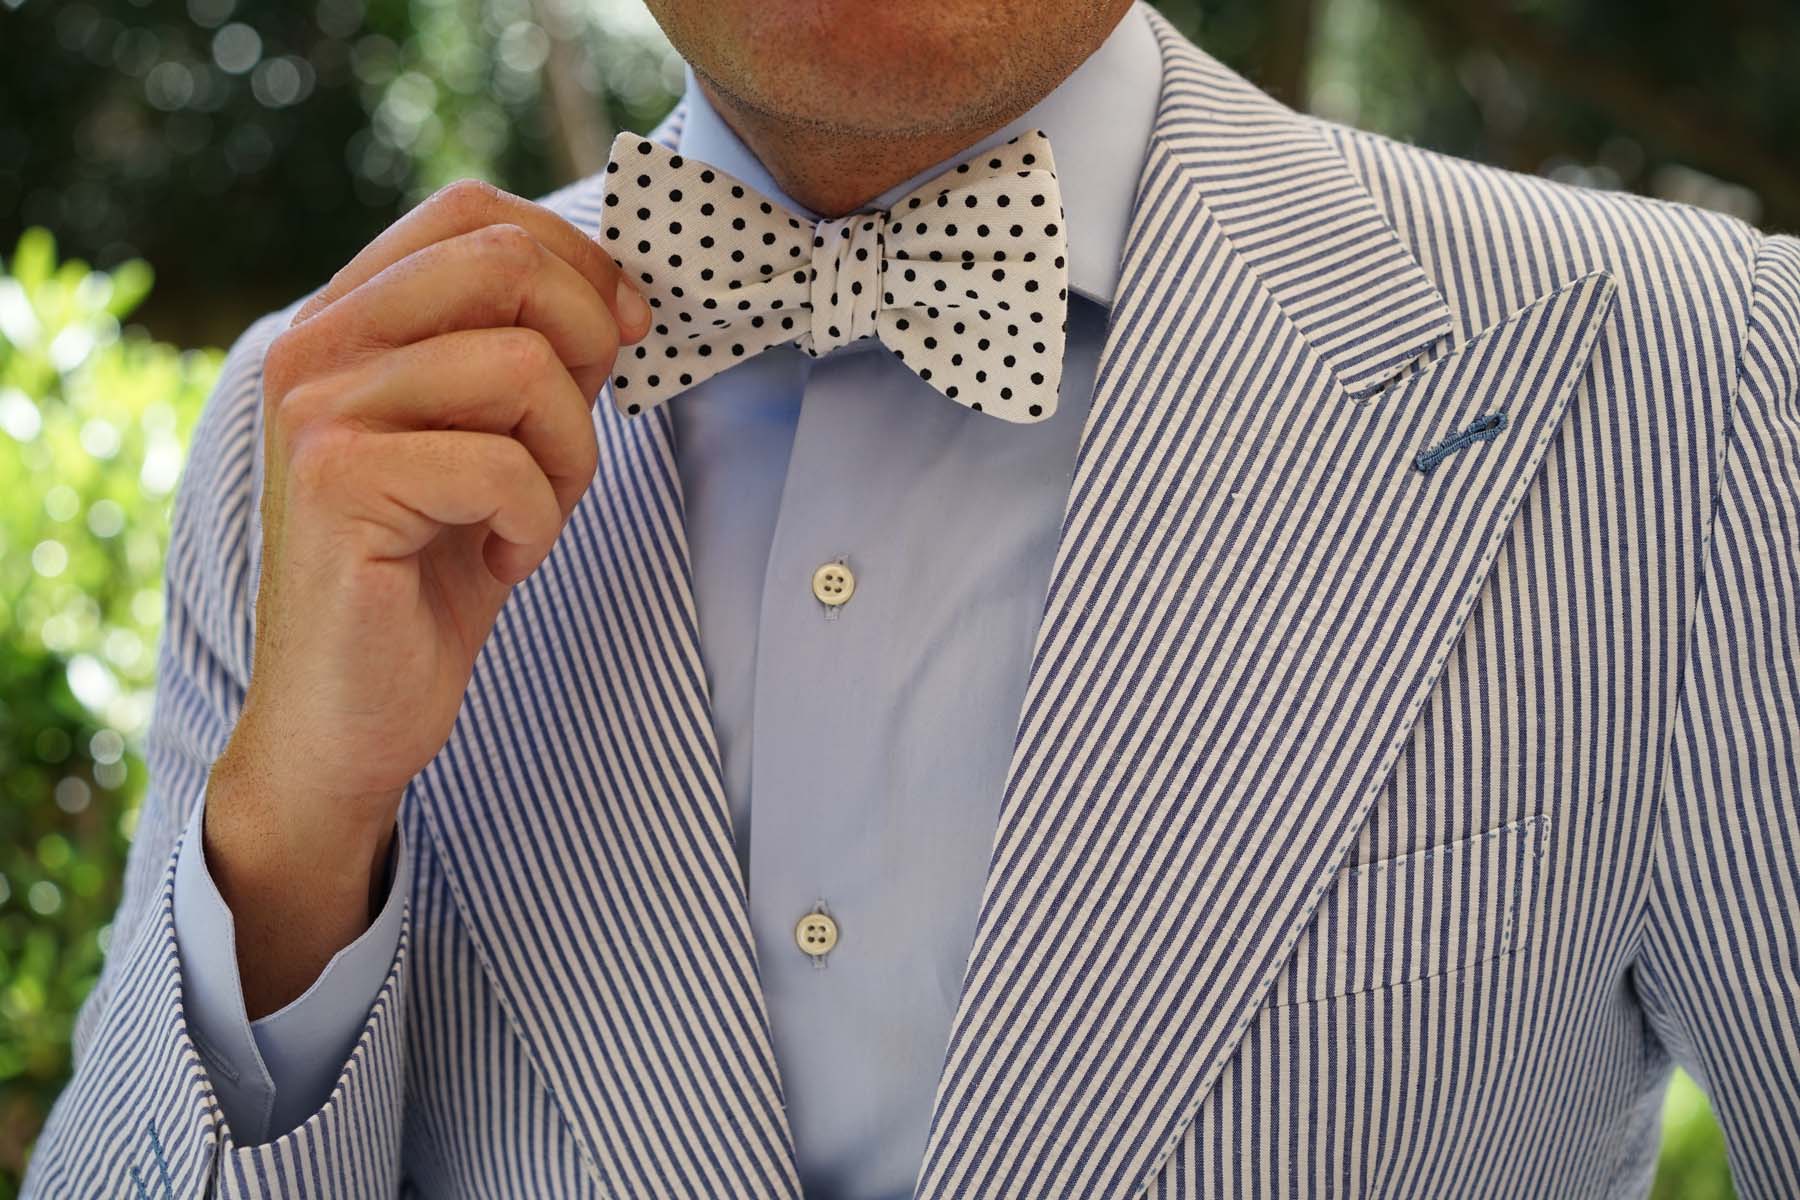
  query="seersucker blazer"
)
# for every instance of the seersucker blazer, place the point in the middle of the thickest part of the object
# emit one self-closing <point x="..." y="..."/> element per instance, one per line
<point x="1406" y="778"/>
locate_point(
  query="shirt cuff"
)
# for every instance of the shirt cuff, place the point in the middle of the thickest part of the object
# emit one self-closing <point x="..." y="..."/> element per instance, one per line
<point x="271" y="1074"/>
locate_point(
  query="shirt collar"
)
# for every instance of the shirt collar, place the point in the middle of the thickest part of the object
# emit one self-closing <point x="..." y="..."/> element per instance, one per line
<point x="1098" y="121"/>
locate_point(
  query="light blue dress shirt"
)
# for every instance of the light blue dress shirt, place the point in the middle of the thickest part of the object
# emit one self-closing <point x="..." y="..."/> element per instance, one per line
<point x="864" y="746"/>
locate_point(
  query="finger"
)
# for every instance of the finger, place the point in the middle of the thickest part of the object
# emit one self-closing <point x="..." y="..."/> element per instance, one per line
<point x="402" y="489"/>
<point x="468" y="205"/>
<point x="504" y="381"/>
<point x="496" y="276"/>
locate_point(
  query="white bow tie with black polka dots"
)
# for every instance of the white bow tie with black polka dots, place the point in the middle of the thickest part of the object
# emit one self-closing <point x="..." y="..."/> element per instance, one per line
<point x="965" y="279"/>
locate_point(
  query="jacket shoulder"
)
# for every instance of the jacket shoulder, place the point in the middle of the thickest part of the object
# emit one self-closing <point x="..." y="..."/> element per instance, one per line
<point x="1483" y="231"/>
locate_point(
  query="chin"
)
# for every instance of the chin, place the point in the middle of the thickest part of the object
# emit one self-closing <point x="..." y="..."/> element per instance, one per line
<point x="839" y="61"/>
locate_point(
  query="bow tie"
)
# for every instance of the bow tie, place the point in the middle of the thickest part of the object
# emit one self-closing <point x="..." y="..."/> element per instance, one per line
<point x="964" y="279"/>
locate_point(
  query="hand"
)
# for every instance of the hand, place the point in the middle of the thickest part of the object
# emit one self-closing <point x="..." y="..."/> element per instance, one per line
<point x="427" y="432"/>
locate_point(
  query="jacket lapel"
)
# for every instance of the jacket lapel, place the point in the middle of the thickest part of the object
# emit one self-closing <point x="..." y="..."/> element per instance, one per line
<point x="579" y="817"/>
<point x="1253" y="595"/>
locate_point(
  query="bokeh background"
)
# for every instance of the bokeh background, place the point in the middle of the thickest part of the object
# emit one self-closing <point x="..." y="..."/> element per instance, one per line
<point x="171" y="169"/>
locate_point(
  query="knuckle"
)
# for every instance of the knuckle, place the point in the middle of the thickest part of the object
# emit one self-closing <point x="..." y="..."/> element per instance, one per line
<point x="319" y="460"/>
<point x="281" y="363"/>
<point x="525" y="354"/>
<point x="297" y="405"/>
<point x="507" y="247"/>
<point x="469" y="199"/>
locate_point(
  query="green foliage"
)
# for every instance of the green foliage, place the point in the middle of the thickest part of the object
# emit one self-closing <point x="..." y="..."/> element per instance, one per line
<point x="250" y="147"/>
<point x="1693" y="1151"/>
<point x="94" y="421"/>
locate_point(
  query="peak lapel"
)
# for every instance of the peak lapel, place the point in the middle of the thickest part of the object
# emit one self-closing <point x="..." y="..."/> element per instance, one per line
<point x="580" y="819"/>
<point x="1253" y="595"/>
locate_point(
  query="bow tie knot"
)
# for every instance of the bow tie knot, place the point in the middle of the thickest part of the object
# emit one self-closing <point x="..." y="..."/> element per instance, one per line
<point x="846" y="281"/>
<point x="964" y="279"/>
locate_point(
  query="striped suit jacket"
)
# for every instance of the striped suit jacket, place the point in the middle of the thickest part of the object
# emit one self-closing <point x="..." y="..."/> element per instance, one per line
<point x="1406" y="777"/>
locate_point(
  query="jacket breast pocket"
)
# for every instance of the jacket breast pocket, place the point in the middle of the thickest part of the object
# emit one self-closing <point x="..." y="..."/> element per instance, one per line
<point x="1422" y="914"/>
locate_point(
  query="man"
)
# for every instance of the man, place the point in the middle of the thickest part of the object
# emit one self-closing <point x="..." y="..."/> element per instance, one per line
<point x="1259" y="661"/>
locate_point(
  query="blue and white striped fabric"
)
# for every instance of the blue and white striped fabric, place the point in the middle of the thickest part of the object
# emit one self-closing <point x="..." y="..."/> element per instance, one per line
<point x="1370" y="831"/>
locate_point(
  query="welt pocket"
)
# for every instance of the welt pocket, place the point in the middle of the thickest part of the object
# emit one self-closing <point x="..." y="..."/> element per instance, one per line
<point x="1422" y="914"/>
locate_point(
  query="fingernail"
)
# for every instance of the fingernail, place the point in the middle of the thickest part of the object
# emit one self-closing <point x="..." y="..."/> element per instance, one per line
<point x="630" y="306"/>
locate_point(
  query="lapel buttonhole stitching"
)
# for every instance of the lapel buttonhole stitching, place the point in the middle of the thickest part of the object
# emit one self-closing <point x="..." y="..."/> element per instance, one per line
<point x="1485" y="430"/>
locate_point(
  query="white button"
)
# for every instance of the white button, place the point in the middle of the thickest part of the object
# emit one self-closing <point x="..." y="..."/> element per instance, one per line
<point x="816" y="934"/>
<point x="833" y="583"/>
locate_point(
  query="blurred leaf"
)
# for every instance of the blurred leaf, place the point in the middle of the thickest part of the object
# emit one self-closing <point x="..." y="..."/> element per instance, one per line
<point x="93" y="424"/>
<point x="1692" y="1166"/>
<point x="130" y="284"/>
<point x="34" y="258"/>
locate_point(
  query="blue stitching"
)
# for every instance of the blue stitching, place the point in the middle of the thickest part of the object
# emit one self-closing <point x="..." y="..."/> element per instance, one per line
<point x="162" y="1164"/>
<point x="142" y="1191"/>
<point x="1486" y="429"/>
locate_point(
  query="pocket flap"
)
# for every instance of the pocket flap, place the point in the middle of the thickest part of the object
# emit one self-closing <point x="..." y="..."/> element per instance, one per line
<point x="1422" y="914"/>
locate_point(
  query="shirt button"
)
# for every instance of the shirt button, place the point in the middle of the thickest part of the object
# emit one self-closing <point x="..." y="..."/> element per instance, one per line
<point x="816" y="934"/>
<point x="833" y="583"/>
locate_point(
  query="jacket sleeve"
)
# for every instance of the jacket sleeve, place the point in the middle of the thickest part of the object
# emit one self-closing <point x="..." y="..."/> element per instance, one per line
<point x="1719" y="969"/>
<point x="140" y="1118"/>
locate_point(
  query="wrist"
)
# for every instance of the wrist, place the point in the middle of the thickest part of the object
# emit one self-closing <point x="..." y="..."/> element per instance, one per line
<point x="301" y="870"/>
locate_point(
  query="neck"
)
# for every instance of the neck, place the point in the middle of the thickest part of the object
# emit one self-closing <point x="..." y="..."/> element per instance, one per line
<point x="834" y="172"/>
